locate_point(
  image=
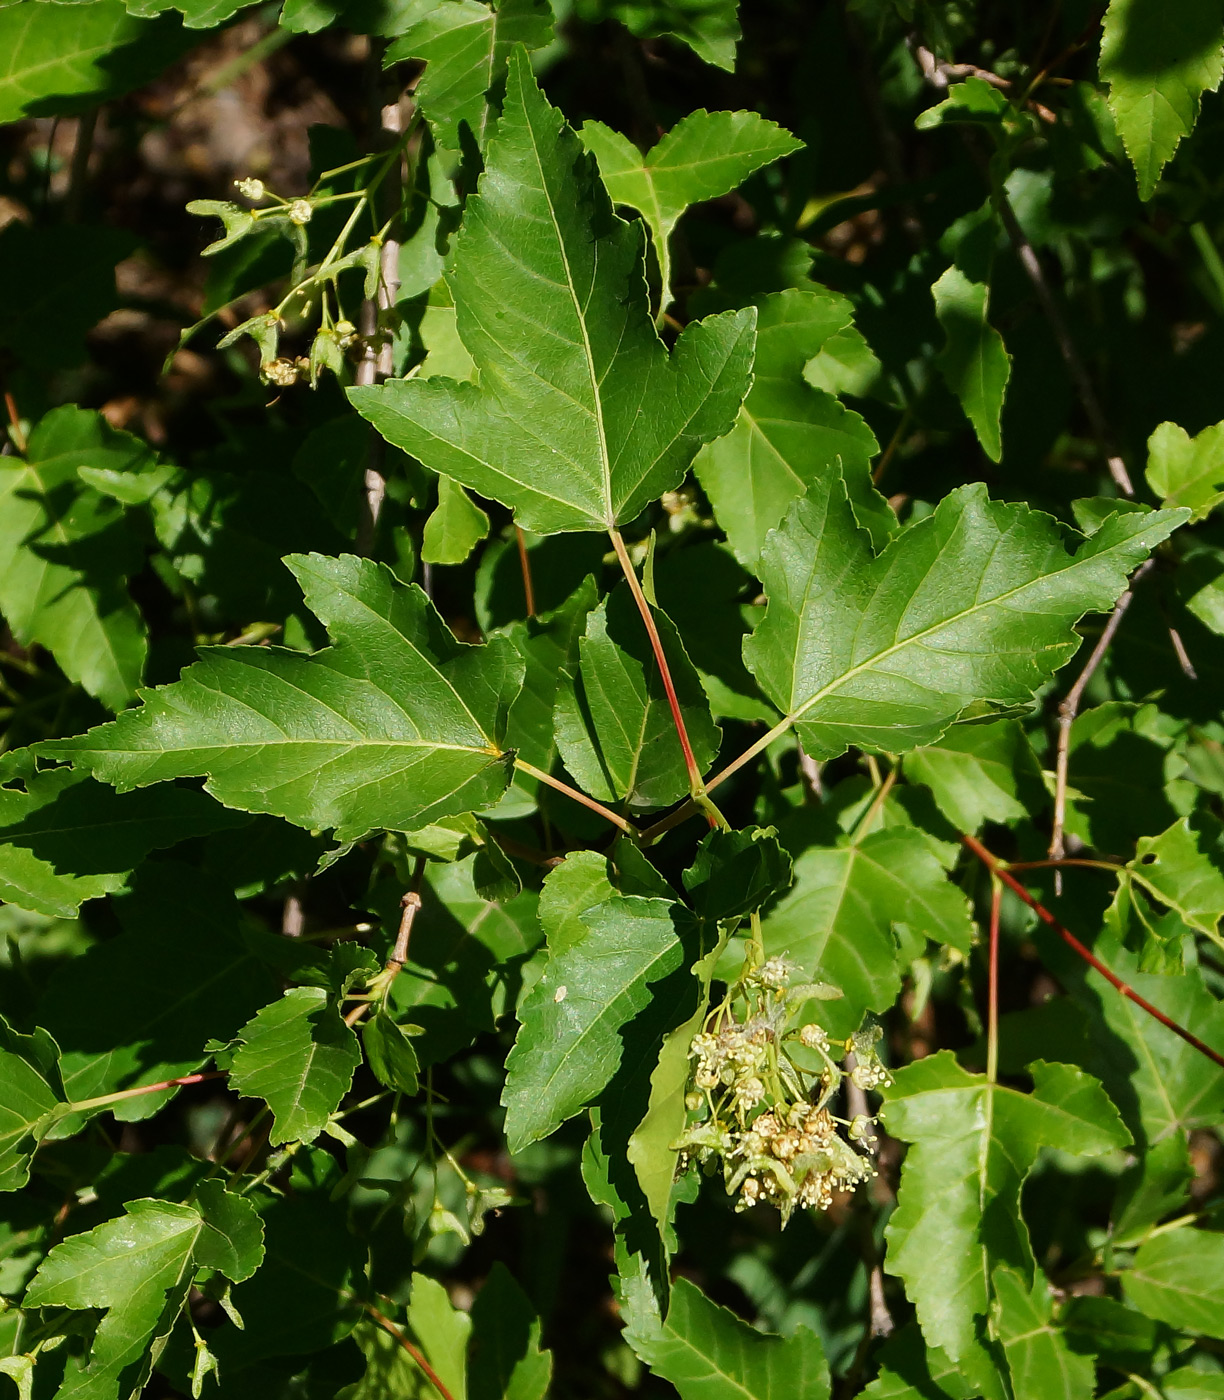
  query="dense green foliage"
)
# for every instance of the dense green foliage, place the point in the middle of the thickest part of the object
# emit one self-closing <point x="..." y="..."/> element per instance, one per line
<point x="613" y="769"/>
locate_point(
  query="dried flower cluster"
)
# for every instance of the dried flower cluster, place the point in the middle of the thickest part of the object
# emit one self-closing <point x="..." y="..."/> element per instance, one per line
<point x="760" y="1092"/>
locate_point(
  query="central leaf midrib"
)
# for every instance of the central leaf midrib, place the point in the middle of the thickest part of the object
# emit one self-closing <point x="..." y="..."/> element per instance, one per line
<point x="600" y="427"/>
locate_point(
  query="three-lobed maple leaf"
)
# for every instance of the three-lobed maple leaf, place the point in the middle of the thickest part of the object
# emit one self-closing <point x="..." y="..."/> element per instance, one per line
<point x="393" y="727"/>
<point x="578" y="417"/>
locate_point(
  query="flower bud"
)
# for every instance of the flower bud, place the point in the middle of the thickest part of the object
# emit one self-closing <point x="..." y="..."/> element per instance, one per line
<point x="250" y="188"/>
<point x="300" y="212"/>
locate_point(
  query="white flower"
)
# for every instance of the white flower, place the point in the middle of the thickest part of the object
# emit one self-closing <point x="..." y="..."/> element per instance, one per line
<point x="300" y="212"/>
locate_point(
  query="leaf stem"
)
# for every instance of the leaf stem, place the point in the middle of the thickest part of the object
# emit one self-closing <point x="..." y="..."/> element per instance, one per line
<point x="104" y="1099"/>
<point x="696" y="786"/>
<point x="606" y="812"/>
<point x="992" y="993"/>
<point x="996" y="867"/>
<point x="525" y="565"/>
<point x="418" y="1356"/>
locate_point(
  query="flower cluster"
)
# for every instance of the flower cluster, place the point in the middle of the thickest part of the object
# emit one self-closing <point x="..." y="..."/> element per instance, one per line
<point x="760" y="1094"/>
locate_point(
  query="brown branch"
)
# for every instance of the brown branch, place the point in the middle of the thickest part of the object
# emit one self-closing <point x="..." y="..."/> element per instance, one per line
<point x="417" y="1355"/>
<point x="1062" y="335"/>
<point x="997" y="868"/>
<point x="1069" y="708"/>
<point x="525" y="566"/>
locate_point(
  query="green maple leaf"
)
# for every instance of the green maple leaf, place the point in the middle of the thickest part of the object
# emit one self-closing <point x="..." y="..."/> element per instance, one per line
<point x="1185" y="470"/>
<point x="579" y="417"/>
<point x="837" y="922"/>
<point x="973" y="606"/>
<point x="138" y="1267"/>
<point x="708" y="1353"/>
<point x="395" y="726"/>
<point x="705" y="155"/>
<point x="958" y="1207"/>
<point x="31" y="1093"/>
<point x="1178" y="1278"/>
<point x="466" y="46"/>
<point x="569" y="1044"/>
<point x="788" y="433"/>
<point x="1158" y="60"/>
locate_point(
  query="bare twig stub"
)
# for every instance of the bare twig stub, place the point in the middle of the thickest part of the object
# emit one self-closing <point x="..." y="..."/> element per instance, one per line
<point x="1069" y="708"/>
<point x="376" y="359"/>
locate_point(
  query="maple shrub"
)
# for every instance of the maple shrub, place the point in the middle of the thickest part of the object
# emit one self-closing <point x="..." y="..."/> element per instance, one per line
<point x="613" y="779"/>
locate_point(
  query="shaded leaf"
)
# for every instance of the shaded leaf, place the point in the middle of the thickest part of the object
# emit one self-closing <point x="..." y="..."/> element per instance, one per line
<point x="565" y="348"/>
<point x="734" y="873"/>
<point x="789" y="434"/>
<point x="548" y="645"/>
<point x="118" y="1024"/>
<point x="70" y="552"/>
<point x="506" y="1361"/>
<point x="390" y="1054"/>
<point x="613" y="723"/>
<point x="68" y="839"/>
<point x="709" y="27"/>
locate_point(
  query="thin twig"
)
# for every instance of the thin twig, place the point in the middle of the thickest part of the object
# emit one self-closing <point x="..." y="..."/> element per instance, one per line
<point x="1062" y="335"/>
<point x="606" y="812"/>
<point x="1069" y="708"/>
<point x="525" y="566"/>
<point x="996" y="867"/>
<point x="393" y="1331"/>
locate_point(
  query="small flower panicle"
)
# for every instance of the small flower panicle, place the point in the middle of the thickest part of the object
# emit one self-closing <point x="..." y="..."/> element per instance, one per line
<point x="760" y="1092"/>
